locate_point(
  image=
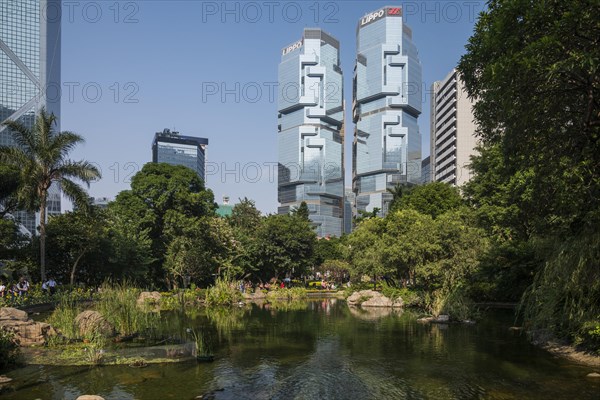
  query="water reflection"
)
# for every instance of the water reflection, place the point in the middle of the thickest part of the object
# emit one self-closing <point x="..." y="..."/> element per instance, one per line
<point x="324" y="349"/>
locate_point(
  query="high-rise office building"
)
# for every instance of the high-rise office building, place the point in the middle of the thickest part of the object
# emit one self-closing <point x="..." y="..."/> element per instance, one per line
<point x="387" y="103"/>
<point x="349" y="210"/>
<point x="453" y="128"/>
<point x="30" y="51"/>
<point x="311" y="131"/>
<point x="175" y="149"/>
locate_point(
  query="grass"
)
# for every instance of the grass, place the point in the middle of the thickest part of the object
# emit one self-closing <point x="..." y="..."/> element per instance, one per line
<point x="223" y="293"/>
<point x="118" y="304"/>
<point x="63" y="318"/>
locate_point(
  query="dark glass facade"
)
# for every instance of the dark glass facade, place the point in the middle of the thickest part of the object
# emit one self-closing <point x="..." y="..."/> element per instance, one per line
<point x="386" y="105"/>
<point x="175" y="149"/>
<point x="311" y="131"/>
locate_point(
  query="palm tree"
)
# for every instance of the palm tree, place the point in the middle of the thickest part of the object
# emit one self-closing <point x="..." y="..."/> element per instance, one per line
<point x="41" y="155"/>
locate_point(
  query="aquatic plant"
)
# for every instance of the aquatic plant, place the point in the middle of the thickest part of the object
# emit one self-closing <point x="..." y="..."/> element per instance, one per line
<point x="222" y="293"/>
<point x="118" y="304"/>
<point x="9" y="349"/>
<point x="63" y="319"/>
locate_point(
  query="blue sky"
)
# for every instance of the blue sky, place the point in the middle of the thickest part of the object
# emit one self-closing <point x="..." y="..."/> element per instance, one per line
<point x="132" y="68"/>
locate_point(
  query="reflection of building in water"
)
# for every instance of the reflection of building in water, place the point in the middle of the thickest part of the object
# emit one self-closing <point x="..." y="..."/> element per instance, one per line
<point x="175" y="149"/>
<point x="311" y="131"/>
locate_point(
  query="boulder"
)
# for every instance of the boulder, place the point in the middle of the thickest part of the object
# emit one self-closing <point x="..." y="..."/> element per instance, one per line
<point x="371" y="298"/>
<point x="27" y="331"/>
<point x="593" y="375"/>
<point x="90" y="322"/>
<point x="9" y="313"/>
<point x="151" y="298"/>
<point x="442" y="319"/>
<point x="4" y="379"/>
<point x="90" y="397"/>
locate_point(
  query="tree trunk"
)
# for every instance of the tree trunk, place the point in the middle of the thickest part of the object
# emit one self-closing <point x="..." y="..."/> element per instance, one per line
<point x="75" y="267"/>
<point x="43" y="236"/>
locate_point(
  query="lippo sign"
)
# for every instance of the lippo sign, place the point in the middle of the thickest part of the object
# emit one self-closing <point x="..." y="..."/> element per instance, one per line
<point x="377" y="15"/>
<point x="292" y="47"/>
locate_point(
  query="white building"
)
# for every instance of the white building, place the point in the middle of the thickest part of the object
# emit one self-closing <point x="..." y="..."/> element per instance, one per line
<point x="453" y="139"/>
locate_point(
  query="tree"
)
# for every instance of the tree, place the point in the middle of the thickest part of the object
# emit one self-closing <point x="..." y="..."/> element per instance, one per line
<point x="284" y="245"/>
<point x="433" y="199"/>
<point x="302" y="211"/>
<point x="245" y="215"/>
<point x="72" y="237"/>
<point x="9" y="185"/>
<point x="399" y="190"/>
<point x="363" y="250"/>
<point x="163" y="199"/>
<point x="41" y="155"/>
<point x="534" y="70"/>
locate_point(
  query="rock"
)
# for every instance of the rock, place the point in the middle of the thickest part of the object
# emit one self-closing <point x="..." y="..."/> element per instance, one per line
<point x="377" y="301"/>
<point x="9" y="313"/>
<point x="4" y="379"/>
<point x="92" y="321"/>
<point x="593" y="375"/>
<point x="27" y="332"/>
<point x="148" y="298"/>
<point x="468" y="322"/>
<point x="442" y="319"/>
<point x="259" y="295"/>
<point x="90" y="397"/>
<point x="426" y="320"/>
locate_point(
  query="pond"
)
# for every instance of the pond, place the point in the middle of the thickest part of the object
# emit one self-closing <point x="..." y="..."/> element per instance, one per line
<point x="322" y="349"/>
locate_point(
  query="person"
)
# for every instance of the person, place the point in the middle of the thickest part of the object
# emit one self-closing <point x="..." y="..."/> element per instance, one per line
<point x="52" y="285"/>
<point x="2" y="289"/>
<point x="22" y="286"/>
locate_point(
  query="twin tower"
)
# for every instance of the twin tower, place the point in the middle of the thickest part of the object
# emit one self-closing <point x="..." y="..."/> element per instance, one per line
<point x="311" y="112"/>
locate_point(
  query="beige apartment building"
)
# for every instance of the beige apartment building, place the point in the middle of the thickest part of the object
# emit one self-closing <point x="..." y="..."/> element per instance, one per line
<point x="453" y="139"/>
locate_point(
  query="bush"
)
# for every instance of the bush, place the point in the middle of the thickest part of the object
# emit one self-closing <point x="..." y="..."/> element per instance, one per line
<point x="223" y="293"/>
<point x="411" y="298"/>
<point x="9" y="349"/>
<point x="63" y="317"/>
<point x="118" y="304"/>
<point x="452" y="302"/>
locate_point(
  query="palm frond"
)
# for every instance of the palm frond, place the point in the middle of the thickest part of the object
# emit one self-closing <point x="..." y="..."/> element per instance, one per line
<point x="82" y="170"/>
<point x="14" y="156"/>
<point x="75" y="193"/>
<point x="23" y="136"/>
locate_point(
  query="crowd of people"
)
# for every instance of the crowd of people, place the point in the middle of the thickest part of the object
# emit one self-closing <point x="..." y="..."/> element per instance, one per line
<point x="22" y="287"/>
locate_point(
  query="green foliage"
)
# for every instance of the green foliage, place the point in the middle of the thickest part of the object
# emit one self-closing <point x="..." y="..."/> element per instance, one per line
<point x="223" y="293"/>
<point x="13" y="243"/>
<point x="537" y="181"/>
<point x="199" y="248"/>
<point x="118" y="304"/>
<point x="42" y="159"/>
<point x="245" y="215"/>
<point x="283" y="245"/>
<point x="451" y="301"/>
<point x="302" y="211"/>
<point x="431" y="199"/>
<point x="163" y="201"/>
<point x="63" y="317"/>
<point x="410" y="297"/>
<point x="94" y="349"/>
<point x="9" y="350"/>
<point x="565" y="294"/>
<point x="76" y="239"/>
<point x="289" y="294"/>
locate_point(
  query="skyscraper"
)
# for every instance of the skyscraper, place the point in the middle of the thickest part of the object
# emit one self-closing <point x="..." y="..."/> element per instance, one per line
<point x="453" y="128"/>
<point x="387" y="102"/>
<point x="311" y="130"/>
<point x="30" y="51"/>
<point x="175" y="149"/>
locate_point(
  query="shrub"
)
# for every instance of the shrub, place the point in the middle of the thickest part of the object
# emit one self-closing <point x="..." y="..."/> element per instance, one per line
<point x="223" y="293"/>
<point x="9" y="349"/>
<point x="63" y="317"/>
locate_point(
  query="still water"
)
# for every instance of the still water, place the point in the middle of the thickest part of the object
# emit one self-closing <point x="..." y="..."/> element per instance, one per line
<point x="323" y="350"/>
